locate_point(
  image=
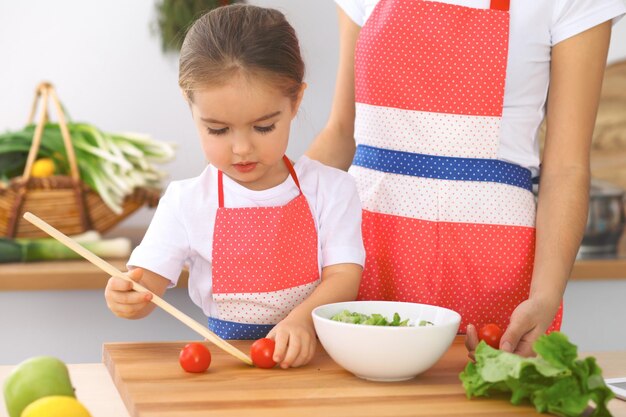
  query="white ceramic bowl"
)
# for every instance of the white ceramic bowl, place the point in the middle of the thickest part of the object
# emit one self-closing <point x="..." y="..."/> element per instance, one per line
<point x="385" y="353"/>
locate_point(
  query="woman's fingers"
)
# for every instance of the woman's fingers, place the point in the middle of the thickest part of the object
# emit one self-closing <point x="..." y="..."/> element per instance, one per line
<point x="471" y="340"/>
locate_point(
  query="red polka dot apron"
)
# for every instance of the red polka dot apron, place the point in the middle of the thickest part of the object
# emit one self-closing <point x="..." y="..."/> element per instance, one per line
<point x="444" y="221"/>
<point x="264" y="264"/>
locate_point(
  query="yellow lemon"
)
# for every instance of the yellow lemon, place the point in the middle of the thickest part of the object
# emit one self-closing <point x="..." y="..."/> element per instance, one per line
<point x="43" y="167"/>
<point x="56" y="406"/>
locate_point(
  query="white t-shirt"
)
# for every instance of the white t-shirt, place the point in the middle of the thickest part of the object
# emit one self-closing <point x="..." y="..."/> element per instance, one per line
<point x="535" y="26"/>
<point x="181" y="231"/>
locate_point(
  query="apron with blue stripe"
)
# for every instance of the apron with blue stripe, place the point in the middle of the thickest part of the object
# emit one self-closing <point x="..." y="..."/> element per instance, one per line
<point x="445" y="222"/>
<point x="264" y="263"/>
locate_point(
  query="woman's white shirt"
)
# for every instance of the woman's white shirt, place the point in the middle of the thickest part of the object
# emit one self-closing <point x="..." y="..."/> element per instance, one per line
<point x="535" y="27"/>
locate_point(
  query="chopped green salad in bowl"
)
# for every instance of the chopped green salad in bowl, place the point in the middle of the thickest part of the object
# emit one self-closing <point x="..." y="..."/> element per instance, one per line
<point x="385" y="340"/>
<point x="375" y="319"/>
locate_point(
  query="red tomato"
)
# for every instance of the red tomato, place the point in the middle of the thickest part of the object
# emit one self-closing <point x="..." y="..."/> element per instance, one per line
<point x="261" y="353"/>
<point x="195" y="357"/>
<point x="491" y="334"/>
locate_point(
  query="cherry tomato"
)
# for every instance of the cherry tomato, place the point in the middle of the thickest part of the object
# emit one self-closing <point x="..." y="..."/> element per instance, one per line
<point x="261" y="353"/>
<point x="195" y="357"/>
<point x="491" y="334"/>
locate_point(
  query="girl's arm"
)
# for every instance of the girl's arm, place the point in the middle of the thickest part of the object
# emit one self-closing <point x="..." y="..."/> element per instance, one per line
<point x="335" y="145"/>
<point x="295" y="335"/>
<point x="575" y="81"/>
<point x="124" y="302"/>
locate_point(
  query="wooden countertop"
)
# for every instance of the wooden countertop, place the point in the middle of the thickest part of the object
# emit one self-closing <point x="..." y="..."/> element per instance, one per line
<point x="81" y="275"/>
<point x="152" y="384"/>
<point x="320" y="388"/>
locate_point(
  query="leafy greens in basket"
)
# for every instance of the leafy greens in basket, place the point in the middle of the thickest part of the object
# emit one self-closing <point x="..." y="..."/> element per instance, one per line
<point x="113" y="165"/>
<point x="555" y="382"/>
<point x="374" y="320"/>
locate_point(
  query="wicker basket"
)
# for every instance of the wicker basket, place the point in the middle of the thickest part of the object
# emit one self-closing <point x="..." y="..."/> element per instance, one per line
<point x="64" y="202"/>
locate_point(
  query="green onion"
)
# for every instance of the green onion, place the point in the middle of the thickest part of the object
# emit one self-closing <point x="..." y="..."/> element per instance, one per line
<point x="47" y="249"/>
<point x="112" y="164"/>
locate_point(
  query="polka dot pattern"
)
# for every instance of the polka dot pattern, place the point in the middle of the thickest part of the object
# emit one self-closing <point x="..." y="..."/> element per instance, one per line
<point x="444" y="221"/>
<point x="442" y="167"/>
<point x="434" y="57"/>
<point x="443" y="200"/>
<point x="427" y="133"/>
<point x="268" y="307"/>
<point x="481" y="271"/>
<point x="262" y="249"/>
<point x="238" y="331"/>
<point x="264" y="264"/>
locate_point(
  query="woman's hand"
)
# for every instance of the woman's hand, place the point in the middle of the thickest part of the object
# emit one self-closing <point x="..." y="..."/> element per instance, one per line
<point x="295" y="342"/>
<point x="530" y="319"/>
<point x="127" y="303"/>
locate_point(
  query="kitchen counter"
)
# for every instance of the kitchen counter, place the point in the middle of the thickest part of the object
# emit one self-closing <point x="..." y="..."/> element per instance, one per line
<point x="151" y="384"/>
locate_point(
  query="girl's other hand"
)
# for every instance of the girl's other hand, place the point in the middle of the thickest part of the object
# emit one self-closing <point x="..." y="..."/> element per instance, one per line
<point x="122" y="300"/>
<point x="295" y="342"/>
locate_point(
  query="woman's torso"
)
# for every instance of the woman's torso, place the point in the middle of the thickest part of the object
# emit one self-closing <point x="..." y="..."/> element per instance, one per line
<point x="535" y="26"/>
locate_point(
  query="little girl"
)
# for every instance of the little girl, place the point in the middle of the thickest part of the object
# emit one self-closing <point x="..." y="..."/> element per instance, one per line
<point x="266" y="241"/>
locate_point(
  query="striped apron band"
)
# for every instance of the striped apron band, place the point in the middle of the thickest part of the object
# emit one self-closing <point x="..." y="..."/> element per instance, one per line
<point x="238" y="331"/>
<point x="442" y="167"/>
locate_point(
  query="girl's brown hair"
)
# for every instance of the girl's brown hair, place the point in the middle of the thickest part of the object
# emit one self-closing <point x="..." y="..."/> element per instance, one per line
<point x="244" y="39"/>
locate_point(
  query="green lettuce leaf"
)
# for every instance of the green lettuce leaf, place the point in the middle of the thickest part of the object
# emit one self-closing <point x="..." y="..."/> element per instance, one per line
<point x="374" y="320"/>
<point x="554" y="382"/>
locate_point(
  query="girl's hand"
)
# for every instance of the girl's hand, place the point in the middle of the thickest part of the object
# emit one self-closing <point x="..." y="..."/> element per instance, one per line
<point x="295" y="342"/>
<point x="122" y="300"/>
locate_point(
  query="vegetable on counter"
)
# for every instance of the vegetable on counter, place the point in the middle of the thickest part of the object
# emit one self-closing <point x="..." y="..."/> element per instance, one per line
<point x="113" y="165"/>
<point x="374" y="320"/>
<point x="35" y="378"/>
<point x="47" y="249"/>
<point x="555" y="382"/>
<point x="491" y="334"/>
<point x="195" y="357"/>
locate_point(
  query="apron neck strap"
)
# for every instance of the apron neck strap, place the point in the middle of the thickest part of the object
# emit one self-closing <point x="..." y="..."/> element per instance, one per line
<point x="220" y="180"/>
<point x="292" y="171"/>
<point x="500" y="5"/>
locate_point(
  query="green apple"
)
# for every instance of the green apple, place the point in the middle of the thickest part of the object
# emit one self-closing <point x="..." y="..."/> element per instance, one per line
<point x="35" y="378"/>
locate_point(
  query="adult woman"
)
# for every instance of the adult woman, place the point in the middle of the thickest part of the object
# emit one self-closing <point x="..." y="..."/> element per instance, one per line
<point x="449" y="97"/>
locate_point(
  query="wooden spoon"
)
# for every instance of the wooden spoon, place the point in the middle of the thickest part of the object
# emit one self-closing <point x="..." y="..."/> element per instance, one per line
<point x="113" y="271"/>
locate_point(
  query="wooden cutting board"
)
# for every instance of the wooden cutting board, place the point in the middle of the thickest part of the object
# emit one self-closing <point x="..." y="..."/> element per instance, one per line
<point x="152" y="384"/>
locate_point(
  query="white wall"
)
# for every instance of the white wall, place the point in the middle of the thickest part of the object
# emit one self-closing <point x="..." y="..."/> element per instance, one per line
<point x="617" y="50"/>
<point x="109" y="70"/>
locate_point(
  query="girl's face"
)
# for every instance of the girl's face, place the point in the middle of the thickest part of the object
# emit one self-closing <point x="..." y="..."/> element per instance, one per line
<point x="244" y="129"/>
